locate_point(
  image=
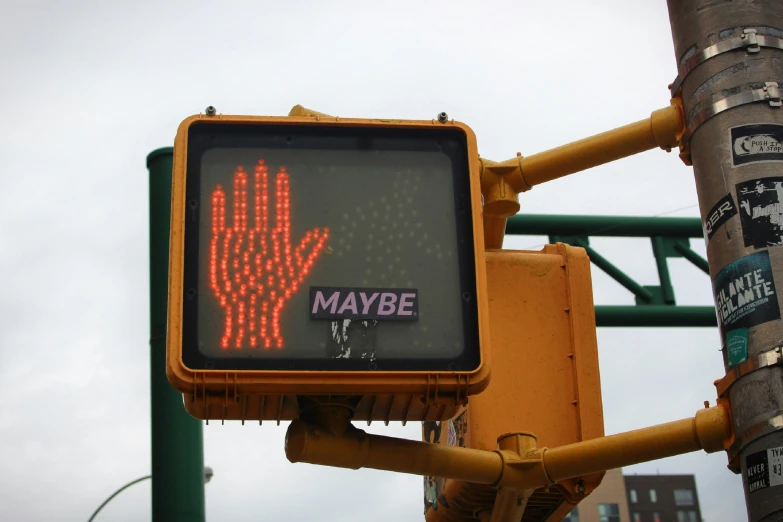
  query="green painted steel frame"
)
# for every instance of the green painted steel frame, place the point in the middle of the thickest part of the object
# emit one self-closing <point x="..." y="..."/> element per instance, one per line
<point x="670" y="237"/>
<point x="177" y="438"/>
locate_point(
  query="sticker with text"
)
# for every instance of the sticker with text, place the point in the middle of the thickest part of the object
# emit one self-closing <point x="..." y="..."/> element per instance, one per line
<point x="756" y="142"/>
<point x="381" y="304"/>
<point x="764" y="469"/>
<point x="723" y="210"/>
<point x="745" y="293"/>
<point x="737" y="346"/>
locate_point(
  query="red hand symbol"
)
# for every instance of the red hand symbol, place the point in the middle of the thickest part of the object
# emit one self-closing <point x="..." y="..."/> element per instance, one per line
<point x="253" y="270"/>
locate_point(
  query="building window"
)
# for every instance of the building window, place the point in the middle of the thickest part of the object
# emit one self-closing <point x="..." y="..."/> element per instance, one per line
<point x="637" y="517"/>
<point x="608" y="513"/>
<point x="683" y="497"/>
<point x="572" y="516"/>
<point x="653" y="496"/>
<point x="632" y="494"/>
<point x="656" y="517"/>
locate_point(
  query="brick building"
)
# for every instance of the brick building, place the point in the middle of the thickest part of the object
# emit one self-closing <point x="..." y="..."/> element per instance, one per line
<point x="662" y="498"/>
<point x="640" y="498"/>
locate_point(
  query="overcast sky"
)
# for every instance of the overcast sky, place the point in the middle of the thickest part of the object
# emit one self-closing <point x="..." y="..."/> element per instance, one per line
<point x="89" y="89"/>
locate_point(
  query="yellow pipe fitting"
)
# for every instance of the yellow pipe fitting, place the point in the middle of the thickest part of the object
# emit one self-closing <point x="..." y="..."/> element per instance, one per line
<point x="298" y="110"/>
<point x="668" y="126"/>
<point x="510" y="503"/>
<point x="500" y="184"/>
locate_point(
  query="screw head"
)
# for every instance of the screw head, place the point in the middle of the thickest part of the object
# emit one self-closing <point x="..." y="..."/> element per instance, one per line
<point x="443" y="117"/>
<point x="210" y="111"/>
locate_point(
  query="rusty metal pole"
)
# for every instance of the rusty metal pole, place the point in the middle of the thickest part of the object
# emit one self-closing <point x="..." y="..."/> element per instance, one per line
<point x="729" y="59"/>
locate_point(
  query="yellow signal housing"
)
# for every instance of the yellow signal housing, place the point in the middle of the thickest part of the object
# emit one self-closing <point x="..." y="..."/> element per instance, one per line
<point x="361" y="214"/>
<point x="542" y="331"/>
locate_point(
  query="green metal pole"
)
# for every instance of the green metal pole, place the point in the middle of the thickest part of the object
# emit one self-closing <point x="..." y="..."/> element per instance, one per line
<point x="617" y="226"/>
<point x="177" y="438"/>
<point x="655" y="315"/>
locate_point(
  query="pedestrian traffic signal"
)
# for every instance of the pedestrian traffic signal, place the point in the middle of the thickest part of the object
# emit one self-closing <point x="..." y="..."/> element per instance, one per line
<point x="315" y="256"/>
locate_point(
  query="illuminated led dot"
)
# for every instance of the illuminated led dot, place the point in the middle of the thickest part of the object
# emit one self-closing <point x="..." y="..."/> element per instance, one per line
<point x="418" y="225"/>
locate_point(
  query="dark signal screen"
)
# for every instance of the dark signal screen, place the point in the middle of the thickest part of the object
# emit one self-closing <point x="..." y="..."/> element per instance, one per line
<point x="328" y="249"/>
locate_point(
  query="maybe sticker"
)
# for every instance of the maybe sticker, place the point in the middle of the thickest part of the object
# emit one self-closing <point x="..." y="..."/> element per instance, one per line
<point x="382" y="304"/>
<point x="719" y="214"/>
<point x="761" y="214"/>
<point x="755" y="143"/>
<point x="745" y="292"/>
<point x="764" y="469"/>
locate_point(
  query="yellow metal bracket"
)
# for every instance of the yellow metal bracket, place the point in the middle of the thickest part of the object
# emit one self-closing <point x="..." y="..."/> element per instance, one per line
<point x="515" y="469"/>
<point x="500" y="182"/>
<point x="328" y="438"/>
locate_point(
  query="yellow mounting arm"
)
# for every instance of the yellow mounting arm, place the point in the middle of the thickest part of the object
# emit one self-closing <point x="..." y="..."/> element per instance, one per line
<point x="331" y="440"/>
<point x="501" y="182"/>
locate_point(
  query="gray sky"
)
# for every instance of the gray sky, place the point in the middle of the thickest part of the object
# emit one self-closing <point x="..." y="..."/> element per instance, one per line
<point x="90" y="88"/>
